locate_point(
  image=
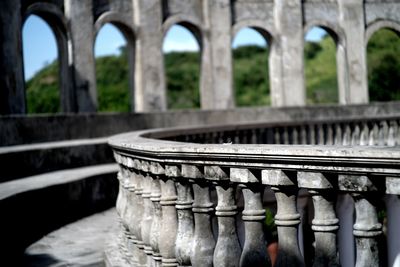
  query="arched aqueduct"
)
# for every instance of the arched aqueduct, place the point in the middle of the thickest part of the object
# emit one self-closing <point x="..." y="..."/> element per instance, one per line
<point x="214" y="24"/>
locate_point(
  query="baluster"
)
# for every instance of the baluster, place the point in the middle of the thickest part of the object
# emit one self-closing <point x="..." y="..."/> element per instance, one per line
<point x="383" y="133"/>
<point x="237" y="137"/>
<point x="374" y="135"/>
<point x="148" y="212"/>
<point x="320" y="129"/>
<point x="295" y="135"/>
<point x="325" y="223"/>
<point x="203" y="240"/>
<point x="393" y="128"/>
<point x="254" y="249"/>
<point x="227" y="250"/>
<point x="355" y="136"/>
<point x="311" y="130"/>
<point x="329" y="135"/>
<point x="338" y="134"/>
<point x="366" y="228"/>
<point x="169" y="220"/>
<point x="364" y="134"/>
<point x="346" y="135"/>
<point x="277" y="136"/>
<point x="287" y="218"/>
<point x="157" y="171"/>
<point x="130" y="214"/>
<point x="285" y="136"/>
<point x="135" y="225"/>
<point x="185" y="229"/>
<point x="303" y="135"/>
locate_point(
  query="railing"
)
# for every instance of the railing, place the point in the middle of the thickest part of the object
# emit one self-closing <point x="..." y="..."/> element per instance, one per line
<point x="170" y="179"/>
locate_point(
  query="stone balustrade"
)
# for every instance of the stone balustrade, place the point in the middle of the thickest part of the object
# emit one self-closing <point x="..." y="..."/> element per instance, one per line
<point x="195" y="197"/>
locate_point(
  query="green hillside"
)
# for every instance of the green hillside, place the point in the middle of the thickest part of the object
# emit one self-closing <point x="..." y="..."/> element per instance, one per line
<point x="251" y="81"/>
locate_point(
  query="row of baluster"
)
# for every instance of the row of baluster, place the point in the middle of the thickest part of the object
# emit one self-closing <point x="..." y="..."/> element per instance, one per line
<point x="166" y="215"/>
<point x="382" y="133"/>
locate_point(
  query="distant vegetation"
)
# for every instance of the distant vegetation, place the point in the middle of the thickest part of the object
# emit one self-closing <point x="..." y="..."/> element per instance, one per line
<point x="250" y="66"/>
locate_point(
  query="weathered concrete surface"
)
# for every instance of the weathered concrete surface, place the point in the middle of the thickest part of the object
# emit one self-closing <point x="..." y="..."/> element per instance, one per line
<point x="81" y="243"/>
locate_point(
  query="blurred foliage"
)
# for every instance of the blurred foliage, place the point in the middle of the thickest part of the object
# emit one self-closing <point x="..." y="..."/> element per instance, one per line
<point x="250" y="69"/>
<point x="43" y="95"/>
<point x="383" y="55"/>
<point x="320" y="72"/>
<point x="183" y="79"/>
<point x="250" y="76"/>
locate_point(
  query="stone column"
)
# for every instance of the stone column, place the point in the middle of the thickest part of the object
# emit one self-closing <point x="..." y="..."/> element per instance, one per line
<point x="255" y="246"/>
<point x="220" y="55"/>
<point x="12" y="92"/>
<point x="227" y="250"/>
<point x="287" y="218"/>
<point x="286" y="54"/>
<point x="366" y="229"/>
<point x="325" y="223"/>
<point x="150" y="92"/>
<point x="351" y="20"/>
<point x="169" y="221"/>
<point x="80" y="18"/>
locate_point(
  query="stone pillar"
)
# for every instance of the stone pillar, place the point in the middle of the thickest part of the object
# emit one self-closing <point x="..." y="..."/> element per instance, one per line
<point x="227" y="250"/>
<point x="325" y="223"/>
<point x="150" y="90"/>
<point x="255" y="247"/>
<point x="286" y="54"/>
<point x="12" y="92"/>
<point x="287" y="218"/>
<point x="219" y="95"/>
<point x="80" y="17"/>
<point x="366" y="229"/>
<point x="351" y="20"/>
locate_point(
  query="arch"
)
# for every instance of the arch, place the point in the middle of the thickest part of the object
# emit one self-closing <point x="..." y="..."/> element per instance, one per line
<point x="333" y="30"/>
<point x="54" y="17"/>
<point x="260" y="94"/>
<point x="380" y="24"/>
<point x="383" y="63"/>
<point x="339" y="37"/>
<point x="120" y="22"/>
<point x="259" y="26"/>
<point x="186" y="22"/>
<point x="323" y="96"/>
<point x="193" y="91"/>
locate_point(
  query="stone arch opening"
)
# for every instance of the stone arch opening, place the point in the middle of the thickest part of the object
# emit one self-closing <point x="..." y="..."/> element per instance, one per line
<point x="251" y="68"/>
<point x="61" y="97"/>
<point x="115" y="67"/>
<point x="383" y="64"/>
<point x="182" y="48"/>
<point x="321" y="65"/>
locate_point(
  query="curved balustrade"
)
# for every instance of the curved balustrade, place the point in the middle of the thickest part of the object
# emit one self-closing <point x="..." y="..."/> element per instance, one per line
<point x="167" y="177"/>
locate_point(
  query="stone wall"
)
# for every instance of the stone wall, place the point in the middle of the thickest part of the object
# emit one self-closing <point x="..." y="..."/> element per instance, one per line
<point x="214" y="23"/>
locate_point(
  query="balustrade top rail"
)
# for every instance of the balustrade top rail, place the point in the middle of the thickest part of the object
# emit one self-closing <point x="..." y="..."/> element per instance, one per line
<point x="167" y="175"/>
<point x="356" y="146"/>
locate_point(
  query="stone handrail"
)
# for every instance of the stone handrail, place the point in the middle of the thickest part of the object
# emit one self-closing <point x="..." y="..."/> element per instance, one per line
<point x="166" y="205"/>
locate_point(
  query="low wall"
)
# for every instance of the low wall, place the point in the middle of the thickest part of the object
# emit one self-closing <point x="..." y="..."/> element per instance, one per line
<point x="28" y="216"/>
<point x="15" y="130"/>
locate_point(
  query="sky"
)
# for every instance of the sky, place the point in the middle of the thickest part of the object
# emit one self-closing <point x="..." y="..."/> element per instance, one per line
<point x="39" y="44"/>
